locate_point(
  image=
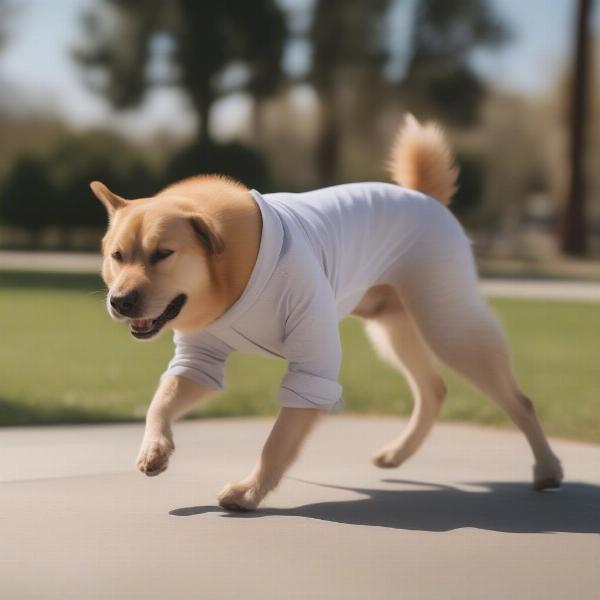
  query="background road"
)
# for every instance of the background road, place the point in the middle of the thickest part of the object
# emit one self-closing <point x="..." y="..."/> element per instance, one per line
<point x="457" y="521"/>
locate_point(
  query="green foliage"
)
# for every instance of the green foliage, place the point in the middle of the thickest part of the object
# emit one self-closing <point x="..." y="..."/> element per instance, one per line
<point x="28" y="195"/>
<point x="132" y="46"/>
<point x="53" y="189"/>
<point x="117" y="51"/>
<point x="439" y="78"/>
<point x="232" y="159"/>
<point x="347" y="33"/>
<point x="353" y="57"/>
<point x="77" y="161"/>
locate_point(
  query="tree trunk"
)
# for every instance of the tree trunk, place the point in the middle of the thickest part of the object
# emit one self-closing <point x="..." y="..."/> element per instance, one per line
<point x="574" y="229"/>
<point x="257" y="122"/>
<point x="202" y="104"/>
<point x="328" y="144"/>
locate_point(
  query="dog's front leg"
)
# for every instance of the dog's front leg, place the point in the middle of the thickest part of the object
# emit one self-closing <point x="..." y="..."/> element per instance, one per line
<point x="282" y="446"/>
<point x="174" y="397"/>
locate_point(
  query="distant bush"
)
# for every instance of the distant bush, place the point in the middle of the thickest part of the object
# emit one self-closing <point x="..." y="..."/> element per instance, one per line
<point x="52" y="190"/>
<point x="28" y="194"/>
<point x="77" y="161"/>
<point x="233" y="159"/>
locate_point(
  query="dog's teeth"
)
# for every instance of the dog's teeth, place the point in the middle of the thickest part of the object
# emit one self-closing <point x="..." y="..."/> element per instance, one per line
<point x="141" y="323"/>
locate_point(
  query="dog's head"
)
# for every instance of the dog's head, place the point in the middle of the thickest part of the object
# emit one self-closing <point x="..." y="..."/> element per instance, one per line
<point x="159" y="262"/>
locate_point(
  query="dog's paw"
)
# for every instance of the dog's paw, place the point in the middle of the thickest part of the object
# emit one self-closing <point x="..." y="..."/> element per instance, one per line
<point x="386" y="459"/>
<point x="239" y="497"/>
<point x="153" y="457"/>
<point x="547" y="476"/>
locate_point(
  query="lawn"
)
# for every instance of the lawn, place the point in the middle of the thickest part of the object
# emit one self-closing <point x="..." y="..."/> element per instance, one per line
<point x="63" y="360"/>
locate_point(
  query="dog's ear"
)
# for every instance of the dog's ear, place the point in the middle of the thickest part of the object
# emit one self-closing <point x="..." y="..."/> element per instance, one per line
<point x="111" y="201"/>
<point x="207" y="235"/>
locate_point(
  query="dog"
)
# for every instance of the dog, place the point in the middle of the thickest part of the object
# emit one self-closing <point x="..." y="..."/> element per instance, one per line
<point x="228" y="269"/>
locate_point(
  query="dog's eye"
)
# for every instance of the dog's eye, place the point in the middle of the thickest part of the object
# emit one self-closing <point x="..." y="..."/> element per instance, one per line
<point x="117" y="256"/>
<point x="160" y="255"/>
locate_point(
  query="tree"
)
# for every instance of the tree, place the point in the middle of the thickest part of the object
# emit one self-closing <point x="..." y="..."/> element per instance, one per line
<point x="352" y="52"/>
<point x="346" y="36"/>
<point x="78" y="159"/>
<point x="574" y="230"/>
<point x="439" y="78"/>
<point x="265" y="53"/>
<point x="234" y="159"/>
<point x="28" y="196"/>
<point x="206" y="48"/>
<point x="52" y="189"/>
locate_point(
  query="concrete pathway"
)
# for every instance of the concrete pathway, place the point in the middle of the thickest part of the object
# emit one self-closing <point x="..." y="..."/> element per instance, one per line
<point x="581" y="291"/>
<point x="62" y="262"/>
<point x="457" y="521"/>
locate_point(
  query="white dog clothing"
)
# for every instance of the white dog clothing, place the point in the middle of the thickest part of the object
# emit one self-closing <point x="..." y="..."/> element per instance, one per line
<point x="319" y="253"/>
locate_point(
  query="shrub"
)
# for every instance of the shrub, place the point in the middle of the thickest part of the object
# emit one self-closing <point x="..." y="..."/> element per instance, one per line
<point x="233" y="160"/>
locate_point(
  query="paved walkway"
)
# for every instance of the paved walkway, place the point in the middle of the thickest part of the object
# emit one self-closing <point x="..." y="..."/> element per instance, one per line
<point x="580" y="291"/>
<point x="66" y="262"/>
<point x="500" y="288"/>
<point x="459" y="521"/>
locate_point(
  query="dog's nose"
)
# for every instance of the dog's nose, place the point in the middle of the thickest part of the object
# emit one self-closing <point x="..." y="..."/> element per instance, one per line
<point x="125" y="304"/>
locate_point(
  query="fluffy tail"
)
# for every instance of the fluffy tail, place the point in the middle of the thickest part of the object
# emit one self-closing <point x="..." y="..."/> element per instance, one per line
<point x="421" y="159"/>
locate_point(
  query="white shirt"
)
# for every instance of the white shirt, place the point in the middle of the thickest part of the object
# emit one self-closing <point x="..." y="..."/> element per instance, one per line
<point x="319" y="253"/>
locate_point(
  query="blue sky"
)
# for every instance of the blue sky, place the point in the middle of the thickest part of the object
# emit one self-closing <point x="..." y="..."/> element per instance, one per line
<point x="36" y="61"/>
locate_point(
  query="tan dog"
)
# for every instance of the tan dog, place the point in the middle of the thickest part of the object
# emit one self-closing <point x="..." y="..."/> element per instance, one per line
<point x="181" y="259"/>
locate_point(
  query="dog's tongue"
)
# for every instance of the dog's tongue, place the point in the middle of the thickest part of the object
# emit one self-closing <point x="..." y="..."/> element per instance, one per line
<point x="141" y="324"/>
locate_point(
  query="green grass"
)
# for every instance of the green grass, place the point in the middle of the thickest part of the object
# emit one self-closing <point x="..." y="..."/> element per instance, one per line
<point x="63" y="360"/>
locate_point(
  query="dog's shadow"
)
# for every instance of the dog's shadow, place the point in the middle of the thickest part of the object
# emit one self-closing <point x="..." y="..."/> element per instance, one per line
<point x="495" y="506"/>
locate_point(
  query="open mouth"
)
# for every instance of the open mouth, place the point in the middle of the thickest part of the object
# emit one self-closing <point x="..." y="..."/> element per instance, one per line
<point x="142" y="329"/>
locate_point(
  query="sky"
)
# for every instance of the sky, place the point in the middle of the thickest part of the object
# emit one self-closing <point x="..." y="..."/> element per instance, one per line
<point x="36" y="63"/>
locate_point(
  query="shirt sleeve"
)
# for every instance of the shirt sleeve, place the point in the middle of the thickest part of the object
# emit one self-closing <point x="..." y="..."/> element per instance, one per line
<point x="200" y="357"/>
<point x="313" y="350"/>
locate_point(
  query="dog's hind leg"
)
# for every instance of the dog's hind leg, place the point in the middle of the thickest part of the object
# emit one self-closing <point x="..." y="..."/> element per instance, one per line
<point x="461" y="331"/>
<point x="399" y="343"/>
